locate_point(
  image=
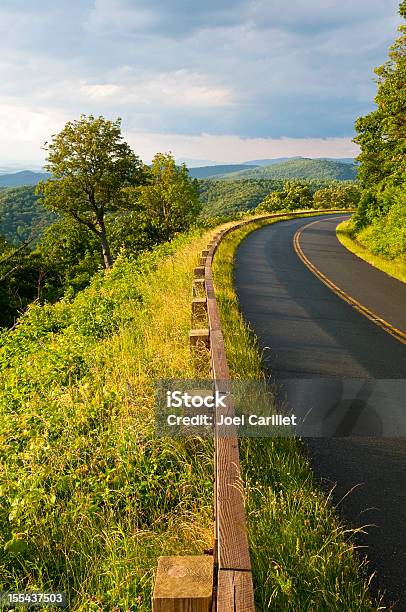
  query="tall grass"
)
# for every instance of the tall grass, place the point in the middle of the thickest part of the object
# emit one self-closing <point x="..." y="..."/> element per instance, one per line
<point x="303" y="558"/>
<point x="90" y="497"/>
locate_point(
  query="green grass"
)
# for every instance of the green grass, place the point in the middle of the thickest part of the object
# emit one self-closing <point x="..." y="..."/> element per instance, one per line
<point x="395" y="267"/>
<point x="303" y="557"/>
<point x="89" y="496"/>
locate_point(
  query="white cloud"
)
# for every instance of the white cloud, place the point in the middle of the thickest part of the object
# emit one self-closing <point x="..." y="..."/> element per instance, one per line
<point x="180" y="88"/>
<point x="231" y="148"/>
<point x="250" y="68"/>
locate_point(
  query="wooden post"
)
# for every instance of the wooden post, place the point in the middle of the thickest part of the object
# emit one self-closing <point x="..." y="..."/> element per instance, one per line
<point x="197" y="286"/>
<point x="199" y="338"/>
<point x="202" y="260"/>
<point x="199" y="307"/>
<point x="183" y="584"/>
<point x="199" y="272"/>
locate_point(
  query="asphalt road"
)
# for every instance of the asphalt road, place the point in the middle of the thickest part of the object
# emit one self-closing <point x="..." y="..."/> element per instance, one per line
<point x="308" y="332"/>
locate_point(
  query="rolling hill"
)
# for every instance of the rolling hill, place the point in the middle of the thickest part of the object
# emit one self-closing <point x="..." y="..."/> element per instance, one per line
<point x="25" y="177"/>
<point x="202" y="172"/>
<point x="277" y="160"/>
<point x="302" y="168"/>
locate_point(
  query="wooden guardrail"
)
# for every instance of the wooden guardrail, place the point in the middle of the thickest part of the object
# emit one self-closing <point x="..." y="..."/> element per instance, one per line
<point x="221" y="582"/>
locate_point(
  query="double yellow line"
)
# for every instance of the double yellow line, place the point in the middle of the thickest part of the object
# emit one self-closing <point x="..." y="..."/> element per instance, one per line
<point x="390" y="329"/>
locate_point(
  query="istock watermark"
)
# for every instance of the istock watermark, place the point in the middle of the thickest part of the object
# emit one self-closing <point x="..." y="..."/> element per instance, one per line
<point x="316" y="407"/>
<point x="199" y="407"/>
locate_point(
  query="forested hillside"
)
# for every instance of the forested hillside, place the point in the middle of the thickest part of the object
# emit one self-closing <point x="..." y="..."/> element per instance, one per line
<point x="221" y="198"/>
<point x="320" y="169"/>
<point x="202" y="172"/>
<point x="21" y="214"/>
<point x="224" y="198"/>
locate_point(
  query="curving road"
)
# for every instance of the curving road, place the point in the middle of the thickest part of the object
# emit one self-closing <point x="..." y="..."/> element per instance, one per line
<point x="306" y="331"/>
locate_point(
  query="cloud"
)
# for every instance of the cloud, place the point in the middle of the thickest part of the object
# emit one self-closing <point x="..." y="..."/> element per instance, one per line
<point x="235" y="149"/>
<point x="172" y="18"/>
<point x="246" y="69"/>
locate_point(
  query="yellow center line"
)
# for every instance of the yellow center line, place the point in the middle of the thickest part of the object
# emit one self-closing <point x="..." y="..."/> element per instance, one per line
<point x="390" y="329"/>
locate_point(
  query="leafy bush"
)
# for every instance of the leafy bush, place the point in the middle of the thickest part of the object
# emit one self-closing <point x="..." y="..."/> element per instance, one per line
<point x="386" y="236"/>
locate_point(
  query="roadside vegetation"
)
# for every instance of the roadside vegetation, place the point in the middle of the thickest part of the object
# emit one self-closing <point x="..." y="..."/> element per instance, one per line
<point x="394" y="266"/>
<point x="303" y="557"/>
<point x="90" y="497"/>
<point x="379" y="224"/>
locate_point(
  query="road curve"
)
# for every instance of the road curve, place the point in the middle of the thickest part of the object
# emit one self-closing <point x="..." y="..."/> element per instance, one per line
<point x="306" y="330"/>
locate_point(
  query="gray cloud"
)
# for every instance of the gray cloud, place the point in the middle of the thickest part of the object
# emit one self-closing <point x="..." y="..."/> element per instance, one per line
<point x="253" y="68"/>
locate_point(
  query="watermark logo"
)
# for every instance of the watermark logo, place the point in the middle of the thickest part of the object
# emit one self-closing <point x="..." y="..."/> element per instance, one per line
<point x="313" y="407"/>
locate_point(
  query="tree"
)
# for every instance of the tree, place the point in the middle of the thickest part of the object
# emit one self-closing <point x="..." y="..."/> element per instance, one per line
<point x="94" y="172"/>
<point x="70" y="256"/>
<point x="345" y="195"/>
<point x="382" y="133"/>
<point x="170" y="200"/>
<point x="295" y="195"/>
<point x="382" y="138"/>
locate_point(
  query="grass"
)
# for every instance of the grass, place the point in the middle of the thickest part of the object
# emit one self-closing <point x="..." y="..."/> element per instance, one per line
<point x="303" y="557"/>
<point x="90" y="497"/>
<point x="394" y="267"/>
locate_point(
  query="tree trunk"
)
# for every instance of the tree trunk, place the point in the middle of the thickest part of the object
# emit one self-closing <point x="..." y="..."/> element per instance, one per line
<point x="107" y="259"/>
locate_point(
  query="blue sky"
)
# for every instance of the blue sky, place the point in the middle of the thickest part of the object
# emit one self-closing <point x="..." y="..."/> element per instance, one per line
<point x="218" y="80"/>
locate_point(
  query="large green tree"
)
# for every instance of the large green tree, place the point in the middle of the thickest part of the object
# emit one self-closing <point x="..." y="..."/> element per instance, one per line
<point x="382" y="134"/>
<point x="94" y="172"/>
<point x="170" y="200"/>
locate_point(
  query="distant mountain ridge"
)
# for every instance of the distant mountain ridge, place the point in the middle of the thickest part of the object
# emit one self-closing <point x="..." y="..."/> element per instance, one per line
<point x="210" y="171"/>
<point x="281" y="167"/>
<point x="277" y="160"/>
<point x="25" y="177"/>
<point x="300" y="168"/>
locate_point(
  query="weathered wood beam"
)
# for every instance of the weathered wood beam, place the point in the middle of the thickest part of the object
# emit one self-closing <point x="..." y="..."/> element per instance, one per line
<point x="183" y="584"/>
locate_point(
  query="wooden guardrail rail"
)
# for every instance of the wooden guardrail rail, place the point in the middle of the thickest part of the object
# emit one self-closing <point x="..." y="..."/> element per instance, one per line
<point x="222" y="582"/>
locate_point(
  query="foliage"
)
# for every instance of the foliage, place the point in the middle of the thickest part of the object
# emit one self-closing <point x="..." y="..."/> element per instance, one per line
<point x="70" y="253"/>
<point x="70" y="256"/>
<point x="302" y="168"/>
<point x="20" y="280"/>
<point x="392" y="262"/>
<point x="382" y="133"/>
<point x="379" y="223"/>
<point x="227" y="197"/>
<point x="345" y="195"/>
<point x="21" y="216"/>
<point x="295" y="195"/>
<point x="93" y="172"/>
<point x="386" y="236"/>
<point x="169" y="201"/>
<point x="90" y="497"/>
